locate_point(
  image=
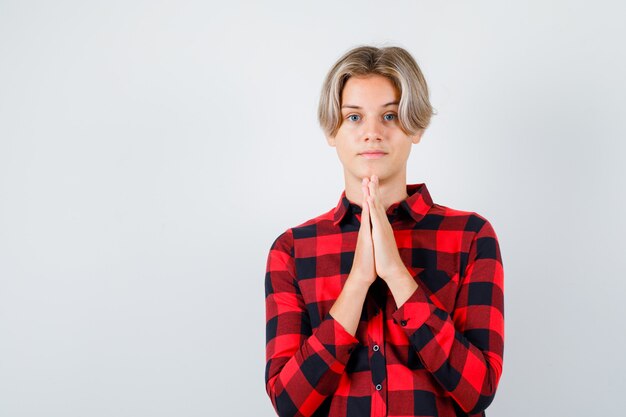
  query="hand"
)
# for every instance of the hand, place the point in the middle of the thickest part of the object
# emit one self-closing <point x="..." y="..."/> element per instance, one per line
<point x="348" y="307"/>
<point x="363" y="267"/>
<point x="388" y="262"/>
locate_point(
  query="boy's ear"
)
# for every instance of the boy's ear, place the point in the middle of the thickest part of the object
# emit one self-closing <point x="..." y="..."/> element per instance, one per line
<point x="417" y="137"/>
<point x="331" y="140"/>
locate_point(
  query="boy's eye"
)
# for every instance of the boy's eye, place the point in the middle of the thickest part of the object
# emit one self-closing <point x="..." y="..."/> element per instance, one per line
<point x="353" y="117"/>
<point x="390" y="116"/>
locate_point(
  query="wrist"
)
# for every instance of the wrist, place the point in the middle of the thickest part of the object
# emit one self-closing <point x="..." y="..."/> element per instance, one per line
<point x="399" y="275"/>
<point x="402" y="286"/>
<point x="357" y="284"/>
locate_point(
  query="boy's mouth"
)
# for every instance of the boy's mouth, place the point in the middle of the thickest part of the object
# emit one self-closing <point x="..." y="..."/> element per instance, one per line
<point x="373" y="155"/>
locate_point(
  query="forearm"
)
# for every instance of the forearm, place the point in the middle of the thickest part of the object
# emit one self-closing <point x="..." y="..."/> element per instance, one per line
<point x="300" y="376"/>
<point x="303" y="364"/>
<point x="462" y="347"/>
<point x="349" y="305"/>
<point x="467" y="367"/>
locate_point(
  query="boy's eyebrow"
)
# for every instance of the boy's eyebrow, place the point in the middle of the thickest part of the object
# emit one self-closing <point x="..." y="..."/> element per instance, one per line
<point x="358" y="107"/>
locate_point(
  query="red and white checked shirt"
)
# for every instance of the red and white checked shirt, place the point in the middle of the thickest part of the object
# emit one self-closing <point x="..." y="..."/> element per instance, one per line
<point x="439" y="354"/>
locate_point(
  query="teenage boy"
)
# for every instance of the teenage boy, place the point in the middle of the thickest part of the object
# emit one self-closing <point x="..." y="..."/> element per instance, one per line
<point x="388" y="304"/>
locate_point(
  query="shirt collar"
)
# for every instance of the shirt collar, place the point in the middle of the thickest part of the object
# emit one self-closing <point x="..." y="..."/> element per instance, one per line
<point x="416" y="204"/>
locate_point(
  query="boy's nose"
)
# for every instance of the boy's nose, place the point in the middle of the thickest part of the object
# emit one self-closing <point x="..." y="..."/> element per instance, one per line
<point x="372" y="131"/>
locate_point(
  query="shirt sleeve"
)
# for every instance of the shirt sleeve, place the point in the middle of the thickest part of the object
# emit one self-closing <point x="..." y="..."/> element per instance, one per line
<point x="303" y="365"/>
<point x="463" y="349"/>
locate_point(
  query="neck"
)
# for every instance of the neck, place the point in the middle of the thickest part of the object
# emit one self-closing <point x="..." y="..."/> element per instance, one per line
<point x="392" y="190"/>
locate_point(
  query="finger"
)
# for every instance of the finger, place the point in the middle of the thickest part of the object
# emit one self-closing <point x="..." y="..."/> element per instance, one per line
<point x="365" y="210"/>
<point x="365" y="186"/>
<point x="371" y="184"/>
<point x="365" y="189"/>
<point x="365" y="216"/>
<point x="373" y="190"/>
<point x="376" y="206"/>
<point x="372" y="212"/>
<point x="371" y="195"/>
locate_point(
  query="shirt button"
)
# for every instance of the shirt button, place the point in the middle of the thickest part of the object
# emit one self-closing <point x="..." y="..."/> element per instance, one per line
<point x="402" y="323"/>
<point x="379" y="387"/>
<point x="375" y="348"/>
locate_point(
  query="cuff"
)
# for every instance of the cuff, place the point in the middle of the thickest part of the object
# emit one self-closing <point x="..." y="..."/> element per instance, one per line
<point x="335" y="339"/>
<point x="416" y="310"/>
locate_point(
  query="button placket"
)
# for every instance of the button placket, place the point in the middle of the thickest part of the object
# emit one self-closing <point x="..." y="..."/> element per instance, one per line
<point x="377" y="359"/>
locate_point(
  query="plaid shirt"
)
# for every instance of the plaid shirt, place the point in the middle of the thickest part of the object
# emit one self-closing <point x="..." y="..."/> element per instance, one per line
<point x="439" y="354"/>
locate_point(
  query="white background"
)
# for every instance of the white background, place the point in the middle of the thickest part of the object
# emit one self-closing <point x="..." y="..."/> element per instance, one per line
<point x="151" y="151"/>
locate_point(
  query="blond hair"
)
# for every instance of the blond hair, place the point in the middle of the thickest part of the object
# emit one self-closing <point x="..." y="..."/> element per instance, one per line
<point x="395" y="63"/>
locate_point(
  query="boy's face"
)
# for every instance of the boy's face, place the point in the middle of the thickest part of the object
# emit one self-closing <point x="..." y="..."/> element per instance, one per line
<point x="370" y="122"/>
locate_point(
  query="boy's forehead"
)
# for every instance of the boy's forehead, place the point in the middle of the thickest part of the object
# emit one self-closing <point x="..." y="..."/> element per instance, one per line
<point x="392" y="103"/>
<point x="376" y="90"/>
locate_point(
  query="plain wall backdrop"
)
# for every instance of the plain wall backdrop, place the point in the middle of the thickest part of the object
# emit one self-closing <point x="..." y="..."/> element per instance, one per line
<point x="151" y="151"/>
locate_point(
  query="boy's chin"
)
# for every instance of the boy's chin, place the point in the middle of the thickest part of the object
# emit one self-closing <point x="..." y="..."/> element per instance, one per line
<point x="381" y="174"/>
<point x="368" y="174"/>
